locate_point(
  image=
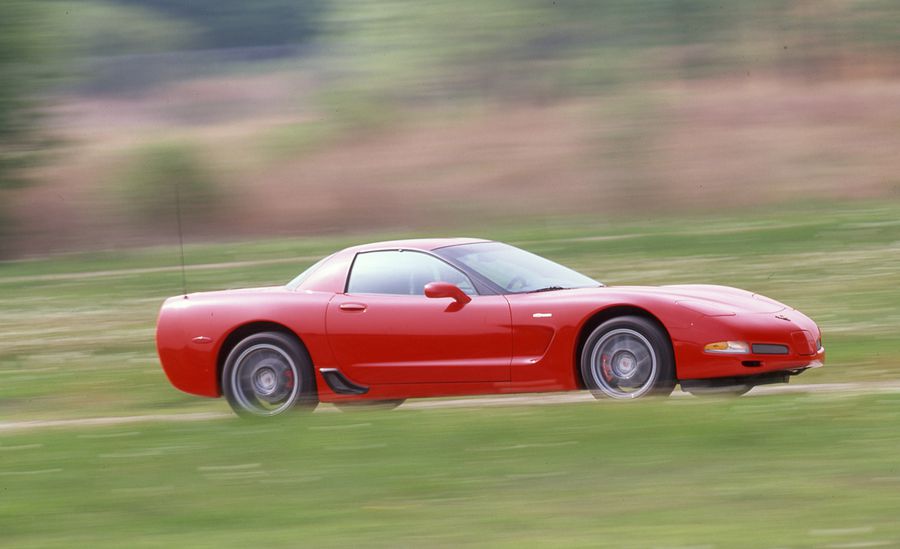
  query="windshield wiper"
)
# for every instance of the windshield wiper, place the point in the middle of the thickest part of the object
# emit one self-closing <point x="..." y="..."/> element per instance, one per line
<point x="547" y="289"/>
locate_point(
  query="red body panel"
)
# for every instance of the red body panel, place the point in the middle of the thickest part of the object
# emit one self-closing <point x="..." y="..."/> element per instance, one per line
<point x="193" y="366"/>
<point x="382" y="339"/>
<point x="415" y="346"/>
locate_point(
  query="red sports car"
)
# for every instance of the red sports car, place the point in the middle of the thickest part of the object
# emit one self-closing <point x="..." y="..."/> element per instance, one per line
<point x="380" y="323"/>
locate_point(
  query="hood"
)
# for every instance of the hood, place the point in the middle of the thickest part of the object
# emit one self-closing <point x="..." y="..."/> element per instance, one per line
<point x="722" y="300"/>
<point x="705" y="299"/>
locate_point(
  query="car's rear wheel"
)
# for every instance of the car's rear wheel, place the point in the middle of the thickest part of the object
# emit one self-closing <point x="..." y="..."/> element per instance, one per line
<point x="628" y="357"/>
<point x="267" y="374"/>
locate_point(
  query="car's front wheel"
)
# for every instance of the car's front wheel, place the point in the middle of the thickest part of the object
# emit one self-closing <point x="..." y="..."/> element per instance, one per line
<point x="628" y="357"/>
<point x="267" y="374"/>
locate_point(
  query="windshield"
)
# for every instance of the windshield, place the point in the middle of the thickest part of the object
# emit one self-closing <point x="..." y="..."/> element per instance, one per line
<point x="515" y="270"/>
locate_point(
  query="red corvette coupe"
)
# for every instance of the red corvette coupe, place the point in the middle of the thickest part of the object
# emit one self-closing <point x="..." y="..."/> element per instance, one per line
<point x="379" y="323"/>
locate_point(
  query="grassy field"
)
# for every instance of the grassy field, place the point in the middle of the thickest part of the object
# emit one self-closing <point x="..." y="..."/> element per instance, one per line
<point x="76" y="332"/>
<point x="76" y="340"/>
<point x="788" y="471"/>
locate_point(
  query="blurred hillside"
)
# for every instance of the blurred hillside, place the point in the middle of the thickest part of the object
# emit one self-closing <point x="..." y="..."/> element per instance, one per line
<point x="293" y="118"/>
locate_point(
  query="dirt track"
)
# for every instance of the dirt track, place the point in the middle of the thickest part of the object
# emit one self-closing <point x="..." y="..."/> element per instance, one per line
<point x="469" y="402"/>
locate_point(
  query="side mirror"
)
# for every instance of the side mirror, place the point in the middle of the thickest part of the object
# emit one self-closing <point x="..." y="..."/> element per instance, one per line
<point x="445" y="289"/>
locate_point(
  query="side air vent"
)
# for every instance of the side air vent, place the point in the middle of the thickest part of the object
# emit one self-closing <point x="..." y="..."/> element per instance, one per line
<point x="769" y="349"/>
<point x="340" y="384"/>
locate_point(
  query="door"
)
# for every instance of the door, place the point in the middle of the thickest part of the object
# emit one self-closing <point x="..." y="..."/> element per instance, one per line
<point x="384" y="330"/>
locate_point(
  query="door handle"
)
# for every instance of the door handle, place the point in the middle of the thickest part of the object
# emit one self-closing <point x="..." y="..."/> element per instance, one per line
<point x="352" y="307"/>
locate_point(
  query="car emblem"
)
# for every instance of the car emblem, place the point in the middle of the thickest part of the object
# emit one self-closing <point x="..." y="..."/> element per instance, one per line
<point x="782" y="317"/>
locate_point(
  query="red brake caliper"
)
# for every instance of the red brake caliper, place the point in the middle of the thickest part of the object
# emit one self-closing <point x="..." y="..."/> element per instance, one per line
<point x="289" y="377"/>
<point x="605" y="367"/>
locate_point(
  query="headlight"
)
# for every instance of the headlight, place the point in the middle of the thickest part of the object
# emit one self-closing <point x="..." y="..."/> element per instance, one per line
<point x="728" y="347"/>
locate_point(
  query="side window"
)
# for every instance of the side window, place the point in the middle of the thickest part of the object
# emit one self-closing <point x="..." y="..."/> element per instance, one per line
<point x="403" y="273"/>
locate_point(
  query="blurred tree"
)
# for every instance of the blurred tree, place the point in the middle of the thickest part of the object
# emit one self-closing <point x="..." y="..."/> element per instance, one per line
<point x="167" y="176"/>
<point x="523" y="48"/>
<point x="110" y="47"/>
<point x="19" y="51"/>
<point x="98" y="28"/>
<point x="239" y="23"/>
<point x="17" y="119"/>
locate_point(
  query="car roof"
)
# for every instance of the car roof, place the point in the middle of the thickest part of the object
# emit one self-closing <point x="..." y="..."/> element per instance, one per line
<point x="332" y="274"/>
<point x="425" y="244"/>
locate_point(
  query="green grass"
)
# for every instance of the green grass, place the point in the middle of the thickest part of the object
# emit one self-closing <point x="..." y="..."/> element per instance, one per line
<point x="798" y="471"/>
<point x="76" y="331"/>
<point x="76" y="340"/>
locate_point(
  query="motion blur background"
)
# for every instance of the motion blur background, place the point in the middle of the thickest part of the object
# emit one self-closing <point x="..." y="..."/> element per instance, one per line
<point x="751" y="144"/>
<point x="279" y="117"/>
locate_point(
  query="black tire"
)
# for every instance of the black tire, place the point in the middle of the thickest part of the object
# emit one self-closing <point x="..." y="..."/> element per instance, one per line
<point x="267" y="374"/>
<point x="353" y="405"/>
<point x="628" y="357"/>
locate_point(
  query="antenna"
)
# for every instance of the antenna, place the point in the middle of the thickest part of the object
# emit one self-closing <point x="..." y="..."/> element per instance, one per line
<point x="180" y="236"/>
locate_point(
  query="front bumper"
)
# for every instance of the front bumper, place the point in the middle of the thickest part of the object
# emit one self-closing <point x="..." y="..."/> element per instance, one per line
<point x="691" y="362"/>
